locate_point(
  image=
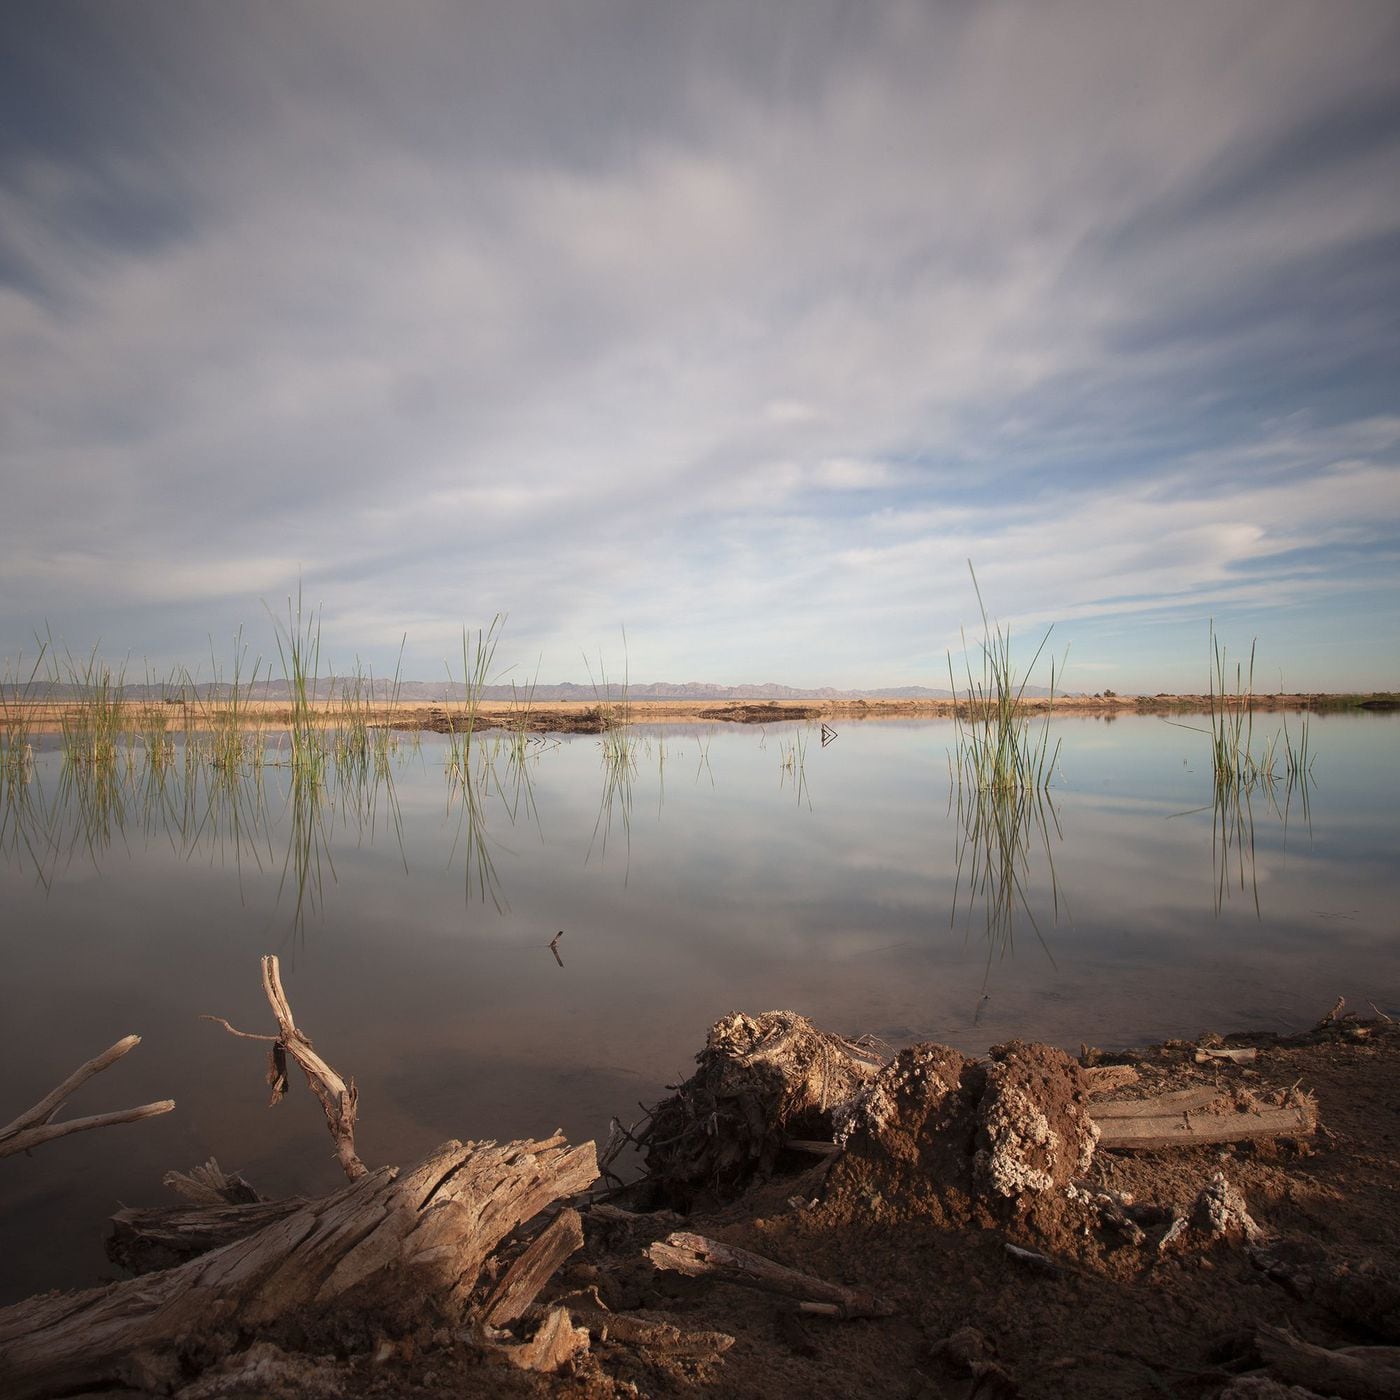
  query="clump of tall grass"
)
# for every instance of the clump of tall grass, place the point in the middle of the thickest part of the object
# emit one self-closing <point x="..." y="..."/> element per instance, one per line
<point x="478" y="658"/>
<point x="1280" y="765"/>
<point x="94" y="724"/>
<point x="226" y="718"/>
<point x="997" y="748"/>
<point x="1234" y="761"/>
<point x="614" y="713"/>
<point x="1000" y="774"/>
<point x="299" y="649"/>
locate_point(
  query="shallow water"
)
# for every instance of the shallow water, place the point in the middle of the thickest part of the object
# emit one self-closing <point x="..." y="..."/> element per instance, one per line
<point x="712" y="878"/>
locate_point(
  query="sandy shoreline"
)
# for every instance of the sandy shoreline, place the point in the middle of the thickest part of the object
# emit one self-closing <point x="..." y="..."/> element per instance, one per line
<point x="563" y="716"/>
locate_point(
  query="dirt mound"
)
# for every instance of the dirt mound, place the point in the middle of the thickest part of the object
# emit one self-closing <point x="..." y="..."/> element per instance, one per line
<point x="939" y="1137"/>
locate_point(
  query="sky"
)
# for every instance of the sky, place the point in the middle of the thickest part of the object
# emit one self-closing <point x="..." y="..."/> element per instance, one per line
<point x="743" y="327"/>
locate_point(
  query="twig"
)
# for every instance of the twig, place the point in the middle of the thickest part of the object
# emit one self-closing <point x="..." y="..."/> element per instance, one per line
<point x="700" y="1257"/>
<point x="338" y="1097"/>
<point x="34" y="1128"/>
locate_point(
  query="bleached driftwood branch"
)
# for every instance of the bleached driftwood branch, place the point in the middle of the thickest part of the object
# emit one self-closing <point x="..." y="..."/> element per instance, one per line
<point x="338" y="1097"/>
<point x="34" y="1127"/>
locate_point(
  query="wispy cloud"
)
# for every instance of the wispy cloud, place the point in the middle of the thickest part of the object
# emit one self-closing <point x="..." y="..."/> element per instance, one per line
<point x="746" y="329"/>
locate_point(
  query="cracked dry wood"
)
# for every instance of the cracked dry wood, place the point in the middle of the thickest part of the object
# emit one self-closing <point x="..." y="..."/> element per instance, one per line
<point x="535" y="1266"/>
<point x="386" y="1242"/>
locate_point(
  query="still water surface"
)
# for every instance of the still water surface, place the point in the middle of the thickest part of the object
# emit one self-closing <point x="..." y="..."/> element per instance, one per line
<point x="732" y="869"/>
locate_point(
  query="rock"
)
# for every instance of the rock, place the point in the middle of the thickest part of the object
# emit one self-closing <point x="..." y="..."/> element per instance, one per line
<point x="1220" y="1212"/>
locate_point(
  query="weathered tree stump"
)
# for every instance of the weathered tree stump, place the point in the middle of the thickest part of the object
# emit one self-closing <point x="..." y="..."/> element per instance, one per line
<point x="388" y="1246"/>
<point x="761" y="1081"/>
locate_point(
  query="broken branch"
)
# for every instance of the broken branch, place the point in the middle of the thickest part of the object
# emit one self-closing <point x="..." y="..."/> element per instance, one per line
<point x="338" y="1097"/>
<point x="698" y="1257"/>
<point x="33" y="1128"/>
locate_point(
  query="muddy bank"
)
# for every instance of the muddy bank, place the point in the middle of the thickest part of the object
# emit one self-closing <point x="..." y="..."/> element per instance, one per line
<point x="925" y="1224"/>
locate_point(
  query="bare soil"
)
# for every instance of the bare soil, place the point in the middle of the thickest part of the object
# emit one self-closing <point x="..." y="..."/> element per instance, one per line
<point x="1101" y="1314"/>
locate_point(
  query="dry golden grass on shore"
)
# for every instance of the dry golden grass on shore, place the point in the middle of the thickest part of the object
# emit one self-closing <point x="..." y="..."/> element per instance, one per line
<point x="48" y="716"/>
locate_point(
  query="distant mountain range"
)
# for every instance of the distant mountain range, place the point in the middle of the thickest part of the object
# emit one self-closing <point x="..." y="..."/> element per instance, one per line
<point x="329" y="687"/>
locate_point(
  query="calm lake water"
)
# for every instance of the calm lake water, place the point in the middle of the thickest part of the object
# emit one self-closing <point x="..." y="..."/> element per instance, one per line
<point x="735" y="868"/>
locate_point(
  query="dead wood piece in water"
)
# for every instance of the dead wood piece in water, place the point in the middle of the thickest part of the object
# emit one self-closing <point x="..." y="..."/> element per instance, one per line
<point x="144" y="1240"/>
<point x="1195" y="1116"/>
<point x="1334" y="1016"/>
<point x="338" y="1098"/>
<point x="210" y="1185"/>
<point x="760" y="1080"/>
<point x="534" y="1267"/>
<point x="34" y="1127"/>
<point x="1350" y="1373"/>
<point x="148" y="1240"/>
<point x="385" y="1245"/>
<point x="698" y="1257"/>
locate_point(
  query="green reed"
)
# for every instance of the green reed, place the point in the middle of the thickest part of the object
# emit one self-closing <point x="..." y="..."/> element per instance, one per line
<point x="1000" y="773"/>
<point x="792" y="766"/>
<point x="94" y="723"/>
<point x="18" y="695"/>
<point x="225" y="721"/>
<point x="615" y="714"/>
<point x="1235" y="762"/>
<point x="478" y="658"/>
<point x="299" y="649"/>
<point x="998" y="749"/>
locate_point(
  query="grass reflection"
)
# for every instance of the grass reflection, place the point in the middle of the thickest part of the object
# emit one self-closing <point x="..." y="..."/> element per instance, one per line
<point x="1000" y="834"/>
<point x="1278" y="771"/>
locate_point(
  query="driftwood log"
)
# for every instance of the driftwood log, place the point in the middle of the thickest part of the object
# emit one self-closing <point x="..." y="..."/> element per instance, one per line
<point x="1189" y="1117"/>
<point x="381" y="1247"/>
<point x="35" y="1126"/>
